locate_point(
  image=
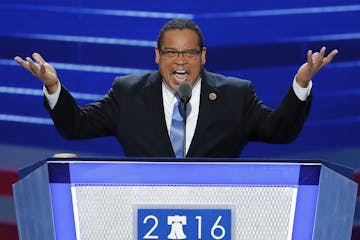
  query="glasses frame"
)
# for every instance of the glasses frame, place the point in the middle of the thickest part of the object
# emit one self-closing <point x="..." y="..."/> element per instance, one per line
<point x="188" y="54"/>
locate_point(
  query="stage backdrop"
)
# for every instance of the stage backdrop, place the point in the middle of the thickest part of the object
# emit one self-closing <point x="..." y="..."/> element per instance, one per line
<point x="91" y="42"/>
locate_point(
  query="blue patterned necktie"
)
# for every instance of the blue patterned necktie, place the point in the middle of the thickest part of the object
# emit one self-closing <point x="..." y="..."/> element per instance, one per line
<point x="177" y="130"/>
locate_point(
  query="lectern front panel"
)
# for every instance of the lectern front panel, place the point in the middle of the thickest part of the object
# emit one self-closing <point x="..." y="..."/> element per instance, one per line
<point x="139" y="200"/>
<point x="257" y="212"/>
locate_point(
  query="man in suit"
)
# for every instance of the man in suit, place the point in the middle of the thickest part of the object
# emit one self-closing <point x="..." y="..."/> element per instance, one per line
<point x="225" y="113"/>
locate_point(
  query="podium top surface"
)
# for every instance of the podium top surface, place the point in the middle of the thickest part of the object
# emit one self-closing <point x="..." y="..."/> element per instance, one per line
<point x="181" y="162"/>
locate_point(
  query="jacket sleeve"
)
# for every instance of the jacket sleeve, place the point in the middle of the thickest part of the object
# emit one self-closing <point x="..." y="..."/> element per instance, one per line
<point x="281" y="125"/>
<point x="92" y="120"/>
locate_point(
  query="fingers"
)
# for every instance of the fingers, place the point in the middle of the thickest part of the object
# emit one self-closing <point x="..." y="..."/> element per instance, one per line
<point x="309" y="58"/>
<point x="41" y="62"/>
<point x="18" y="59"/>
<point x="329" y="57"/>
<point x="322" y="52"/>
<point x="42" y="69"/>
<point x="38" y="58"/>
<point x="33" y="66"/>
<point x="318" y="59"/>
<point x="23" y="63"/>
<point x="39" y="68"/>
<point x="28" y="64"/>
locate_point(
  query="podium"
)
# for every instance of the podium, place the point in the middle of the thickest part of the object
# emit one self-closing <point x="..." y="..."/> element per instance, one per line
<point x="132" y="198"/>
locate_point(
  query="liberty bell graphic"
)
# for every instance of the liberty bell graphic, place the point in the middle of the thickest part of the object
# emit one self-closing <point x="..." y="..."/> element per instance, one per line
<point x="177" y="231"/>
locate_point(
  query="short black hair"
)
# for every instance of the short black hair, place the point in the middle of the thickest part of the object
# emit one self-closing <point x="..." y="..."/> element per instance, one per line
<point x="180" y="24"/>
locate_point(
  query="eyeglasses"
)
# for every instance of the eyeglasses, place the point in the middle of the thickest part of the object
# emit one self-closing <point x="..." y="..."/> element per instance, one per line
<point x="174" y="53"/>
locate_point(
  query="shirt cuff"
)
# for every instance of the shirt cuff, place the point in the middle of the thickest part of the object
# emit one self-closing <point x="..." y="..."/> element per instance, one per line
<point x="300" y="92"/>
<point x="52" y="98"/>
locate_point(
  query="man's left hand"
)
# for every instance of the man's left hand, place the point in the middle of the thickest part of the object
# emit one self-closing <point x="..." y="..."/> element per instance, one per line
<point x="315" y="61"/>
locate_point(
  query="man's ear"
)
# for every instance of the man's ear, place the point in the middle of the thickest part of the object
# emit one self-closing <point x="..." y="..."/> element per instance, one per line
<point x="157" y="55"/>
<point x="203" y="56"/>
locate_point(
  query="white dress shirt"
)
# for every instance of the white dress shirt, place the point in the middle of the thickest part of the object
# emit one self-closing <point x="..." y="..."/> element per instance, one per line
<point x="169" y="100"/>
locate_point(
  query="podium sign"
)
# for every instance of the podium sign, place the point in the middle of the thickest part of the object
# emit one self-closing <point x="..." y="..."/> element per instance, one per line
<point x="184" y="224"/>
<point x="184" y="200"/>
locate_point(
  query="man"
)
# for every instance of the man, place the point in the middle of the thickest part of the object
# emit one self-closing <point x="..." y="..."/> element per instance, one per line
<point x="224" y="115"/>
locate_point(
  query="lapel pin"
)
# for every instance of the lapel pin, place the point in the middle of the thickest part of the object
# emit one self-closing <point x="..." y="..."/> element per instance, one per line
<point x="212" y="96"/>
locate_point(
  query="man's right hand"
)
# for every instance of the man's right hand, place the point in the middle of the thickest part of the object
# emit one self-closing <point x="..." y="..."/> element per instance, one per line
<point x="42" y="70"/>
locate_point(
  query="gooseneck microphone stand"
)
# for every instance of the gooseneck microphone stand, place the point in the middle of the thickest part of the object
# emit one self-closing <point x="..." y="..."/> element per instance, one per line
<point x="184" y="122"/>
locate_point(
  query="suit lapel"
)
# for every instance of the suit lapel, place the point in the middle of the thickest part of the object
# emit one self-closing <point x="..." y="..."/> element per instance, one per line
<point x="152" y="95"/>
<point x="208" y="86"/>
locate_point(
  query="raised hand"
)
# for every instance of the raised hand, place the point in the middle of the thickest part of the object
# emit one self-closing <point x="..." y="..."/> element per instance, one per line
<point x="315" y="61"/>
<point x="40" y="69"/>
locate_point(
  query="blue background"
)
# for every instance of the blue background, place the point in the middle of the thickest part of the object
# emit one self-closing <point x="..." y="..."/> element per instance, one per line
<point x="91" y="42"/>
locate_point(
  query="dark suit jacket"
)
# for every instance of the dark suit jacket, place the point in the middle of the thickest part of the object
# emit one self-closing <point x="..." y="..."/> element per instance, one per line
<point x="133" y="112"/>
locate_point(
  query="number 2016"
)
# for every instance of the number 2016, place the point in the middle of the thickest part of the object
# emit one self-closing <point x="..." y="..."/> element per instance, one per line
<point x="216" y="226"/>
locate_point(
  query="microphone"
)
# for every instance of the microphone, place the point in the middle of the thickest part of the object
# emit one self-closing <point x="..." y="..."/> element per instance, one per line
<point x="185" y="92"/>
